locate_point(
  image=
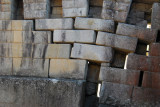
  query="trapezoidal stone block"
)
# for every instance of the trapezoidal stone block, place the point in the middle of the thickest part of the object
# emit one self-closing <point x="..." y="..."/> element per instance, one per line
<point x="92" y="52"/>
<point x="143" y="63"/>
<point x="121" y="76"/>
<point x="94" y="24"/>
<point x="68" y="69"/>
<point x="146" y="97"/>
<point x="143" y="34"/>
<point x="30" y="67"/>
<point x="122" y="43"/>
<point x="155" y="24"/>
<point x="115" y="94"/>
<point x="32" y="90"/>
<point x="116" y="9"/>
<point x="72" y="36"/>
<point x="54" y="24"/>
<point x="75" y="8"/>
<point x="5" y="66"/>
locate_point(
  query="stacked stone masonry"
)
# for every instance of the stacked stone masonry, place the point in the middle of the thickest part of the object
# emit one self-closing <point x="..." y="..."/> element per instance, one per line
<point x="79" y="53"/>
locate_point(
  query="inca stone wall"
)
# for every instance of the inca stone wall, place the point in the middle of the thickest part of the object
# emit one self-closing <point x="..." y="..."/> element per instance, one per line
<point x="79" y="53"/>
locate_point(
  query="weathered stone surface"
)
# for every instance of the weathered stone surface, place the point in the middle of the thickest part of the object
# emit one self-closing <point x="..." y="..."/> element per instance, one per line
<point x="146" y="97"/>
<point x="94" y="24"/>
<point x="30" y="67"/>
<point x="96" y="3"/>
<point x="116" y="9"/>
<point x="143" y="63"/>
<point x="59" y="51"/>
<point x="146" y="1"/>
<point x="93" y="72"/>
<point x="91" y="88"/>
<point x="115" y="94"/>
<point x="154" y="49"/>
<point x="32" y="92"/>
<point x="72" y="36"/>
<point x="54" y="24"/>
<point x="37" y="14"/>
<point x="95" y="12"/>
<point x="141" y="49"/>
<point x="143" y="34"/>
<point x="91" y="101"/>
<point x="123" y="43"/>
<point x="57" y="11"/>
<point x="6" y="16"/>
<point x="34" y="1"/>
<point x="155" y="16"/>
<point x="151" y="80"/>
<point x="56" y="3"/>
<point x="122" y="76"/>
<point x="41" y="37"/>
<point x="40" y="50"/>
<point x="72" y="8"/>
<point x="5" y="66"/>
<point x="5" y="50"/>
<point x="92" y="52"/>
<point x="68" y="69"/>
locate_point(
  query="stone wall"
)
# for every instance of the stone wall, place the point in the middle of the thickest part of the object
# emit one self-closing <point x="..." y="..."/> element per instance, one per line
<point x="79" y="53"/>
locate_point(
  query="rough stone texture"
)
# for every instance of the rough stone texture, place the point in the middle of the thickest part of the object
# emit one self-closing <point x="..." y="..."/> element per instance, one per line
<point x="143" y="34"/>
<point x="143" y="63"/>
<point x="123" y="43"/>
<point x="115" y="94"/>
<point x="94" y="24"/>
<point x="151" y="80"/>
<point x="75" y="8"/>
<point x="154" y="49"/>
<point x="91" y="101"/>
<point x="93" y="72"/>
<point x="72" y="36"/>
<point x="122" y="76"/>
<point x="92" y="52"/>
<point x="5" y="50"/>
<point x="146" y="97"/>
<point x="60" y="51"/>
<point x="116" y="9"/>
<point x="91" y="88"/>
<point x="68" y="68"/>
<point x="54" y="24"/>
<point x="95" y="12"/>
<point x="5" y="66"/>
<point x="118" y="59"/>
<point x="155" y="16"/>
<point x="30" y="67"/>
<point x="141" y="48"/>
<point x="33" y="92"/>
<point x="96" y="3"/>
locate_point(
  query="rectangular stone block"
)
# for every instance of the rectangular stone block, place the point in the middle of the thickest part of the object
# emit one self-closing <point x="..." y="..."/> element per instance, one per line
<point x="35" y="6"/>
<point x="122" y="43"/>
<point x="68" y="69"/>
<point x="43" y="37"/>
<point x="94" y="24"/>
<point x="154" y="49"/>
<point x="40" y="14"/>
<point x="151" y="80"/>
<point x="40" y="50"/>
<point x="57" y="11"/>
<point x="143" y="63"/>
<point x="22" y="37"/>
<point x="33" y="92"/>
<point x="143" y="34"/>
<point x="5" y="50"/>
<point x="6" y="36"/>
<point x="54" y="24"/>
<point x="72" y="8"/>
<point x="5" y="25"/>
<point x="5" y="66"/>
<point x="155" y="24"/>
<point x="116" y="9"/>
<point x="146" y="97"/>
<point x="92" y="52"/>
<point x="115" y="94"/>
<point x="58" y="51"/>
<point x="121" y="76"/>
<point x="34" y="1"/>
<point x="30" y="67"/>
<point x="72" y="36"/>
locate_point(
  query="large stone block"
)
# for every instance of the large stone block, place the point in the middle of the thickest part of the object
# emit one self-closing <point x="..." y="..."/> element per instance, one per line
<point x="122" y="43"/>
<point x="54" y="24"/>
<point x="92" y="52"/>
<point x="115" y="94"/>
<point x="33" y="92"/>
<point x="30" y="67"/>
<point x="34" y="1"/>
<point x="95" y="24"/>
<point x="154" y="49"/>
<point x="143" y="34"/>
<point x="42" y="37"/>
<point x="155" y="16"/>
<point x="146" y="97"/>
<point x="6" y="36"/>
<point x="72" y="36"/>
<point x="40" y="50"/>
<point x="6" y="16"/>
<point x="72" y="8"/>
<point x="68" y="69"/>
<point x="116" y="9"/>
<point x="122" y="76"/>
<point x="5" y="66"/>
<point x="36" y="14"/>
<point x="143" y="63"/>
